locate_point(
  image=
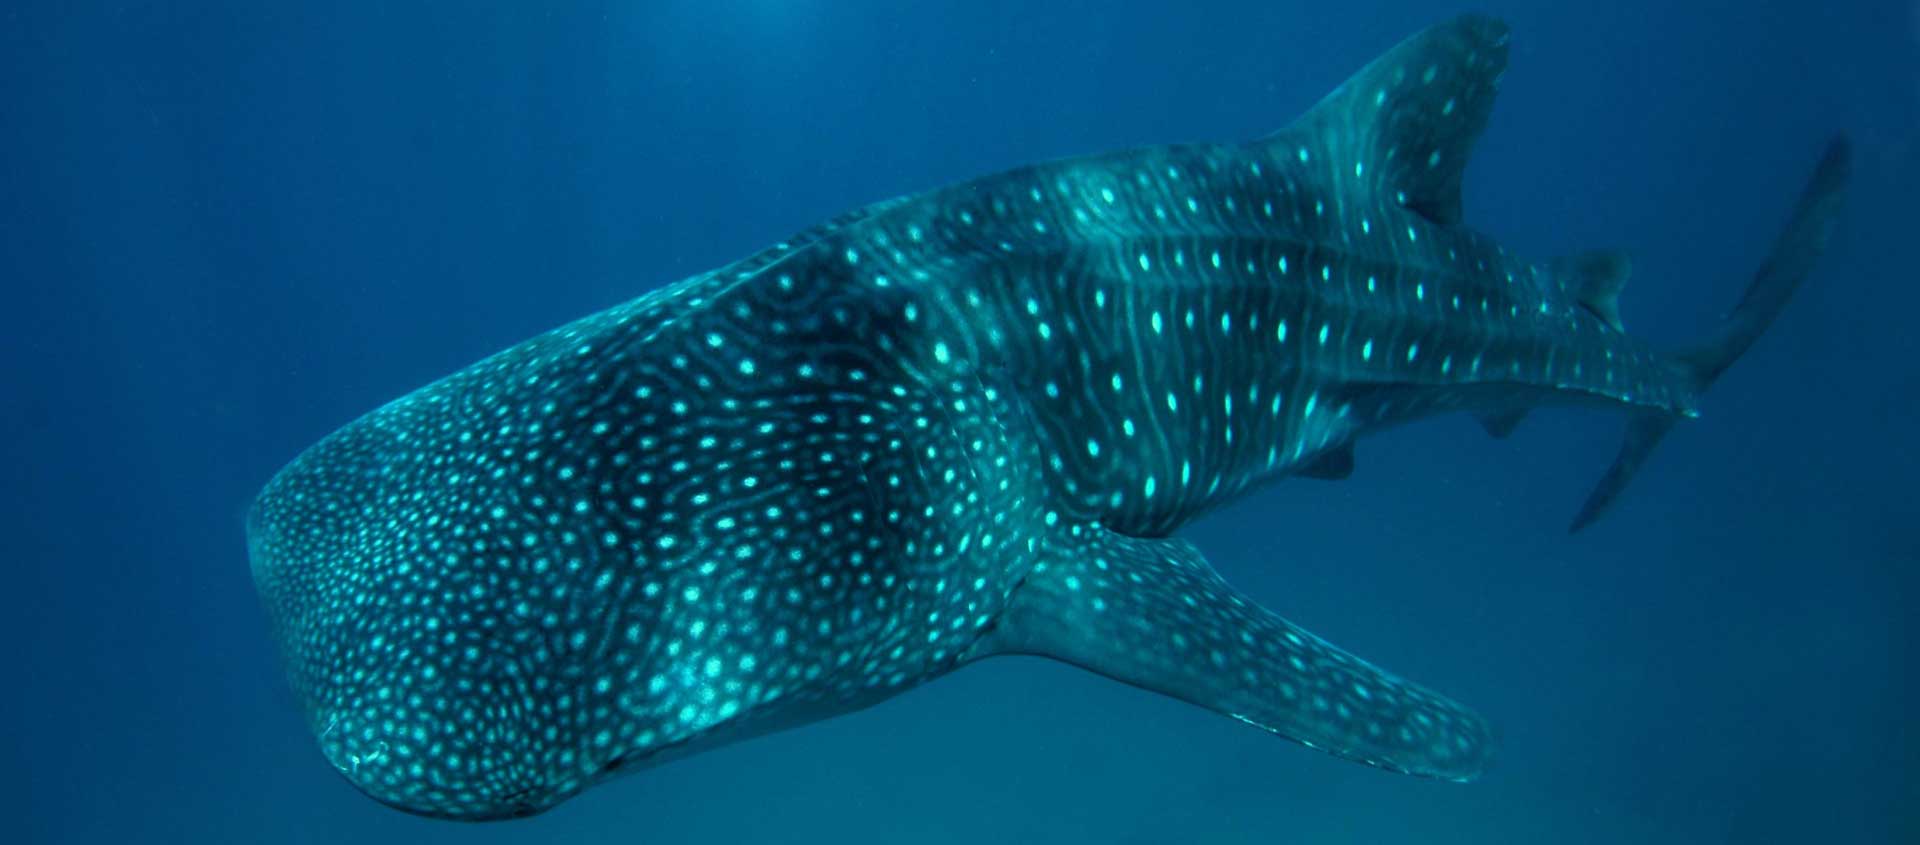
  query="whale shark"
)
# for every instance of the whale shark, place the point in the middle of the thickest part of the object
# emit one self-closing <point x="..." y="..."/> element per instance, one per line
<point x="964" y="423"/>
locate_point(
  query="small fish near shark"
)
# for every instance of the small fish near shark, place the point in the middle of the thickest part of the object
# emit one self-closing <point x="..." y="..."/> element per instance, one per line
<point x="945" y="427"/>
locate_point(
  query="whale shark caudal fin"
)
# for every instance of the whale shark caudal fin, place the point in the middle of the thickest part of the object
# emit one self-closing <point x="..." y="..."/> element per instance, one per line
<point x="1787" y="265"/>
<point x="1152" y="613"/>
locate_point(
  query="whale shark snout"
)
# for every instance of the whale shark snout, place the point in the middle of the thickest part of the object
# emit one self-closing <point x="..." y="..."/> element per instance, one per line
<point x="412" y="695"/>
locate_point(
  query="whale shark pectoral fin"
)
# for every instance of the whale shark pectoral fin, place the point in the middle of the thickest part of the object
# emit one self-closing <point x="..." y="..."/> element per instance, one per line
<point x="1153" y="614"/>
<point x="1404" y="124"/>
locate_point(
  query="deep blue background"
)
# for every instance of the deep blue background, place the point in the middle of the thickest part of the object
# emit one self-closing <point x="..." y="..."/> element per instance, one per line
<point x="225" y="231"/>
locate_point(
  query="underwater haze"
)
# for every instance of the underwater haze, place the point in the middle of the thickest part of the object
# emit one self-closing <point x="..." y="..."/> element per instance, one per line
<point x="227" y="230"/>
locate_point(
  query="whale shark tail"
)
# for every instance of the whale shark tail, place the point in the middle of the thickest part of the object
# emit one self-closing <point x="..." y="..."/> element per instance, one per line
<point x="1787" y="265"/>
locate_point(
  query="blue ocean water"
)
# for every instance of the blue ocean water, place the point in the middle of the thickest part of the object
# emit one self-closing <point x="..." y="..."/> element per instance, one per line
<point x="226" y="229"/>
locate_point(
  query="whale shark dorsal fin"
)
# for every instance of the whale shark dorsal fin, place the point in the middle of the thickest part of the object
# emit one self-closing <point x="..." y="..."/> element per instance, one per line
<point x="1595" y="280"/>
<point x="1152" y="613"/>
<point x="1405" y="123"/>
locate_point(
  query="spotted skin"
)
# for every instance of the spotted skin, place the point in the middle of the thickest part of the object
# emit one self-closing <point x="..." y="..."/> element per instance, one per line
<point x="937" y="429"/>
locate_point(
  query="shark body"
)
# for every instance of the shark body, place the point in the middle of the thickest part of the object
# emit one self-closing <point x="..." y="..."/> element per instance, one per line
<point x="941" y="428"/>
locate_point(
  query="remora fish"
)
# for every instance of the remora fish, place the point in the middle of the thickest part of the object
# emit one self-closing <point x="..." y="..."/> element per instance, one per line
<point x="943" y="428"/>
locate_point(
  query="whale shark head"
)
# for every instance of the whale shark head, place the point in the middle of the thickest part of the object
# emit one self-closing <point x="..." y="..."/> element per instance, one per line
<point x="571" y="560"/>
<point x="440" y="576"/>
<point x="412" y="698"/>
